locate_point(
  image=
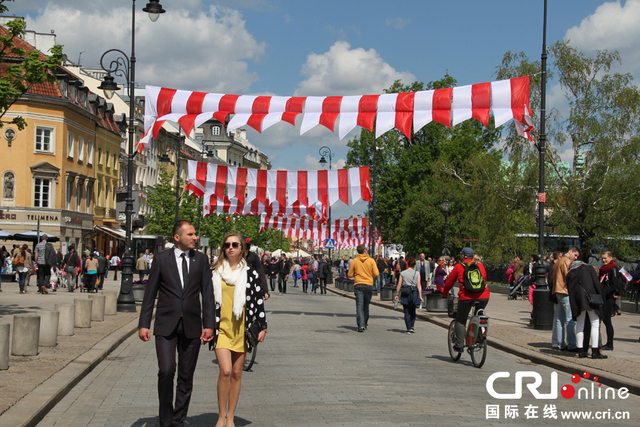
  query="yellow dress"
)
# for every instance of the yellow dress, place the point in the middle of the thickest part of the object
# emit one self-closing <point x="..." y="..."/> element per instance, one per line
<point x="231" y="335"/>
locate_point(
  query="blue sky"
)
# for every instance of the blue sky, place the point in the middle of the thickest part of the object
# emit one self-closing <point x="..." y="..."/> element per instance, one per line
<point x="287" y="47"/>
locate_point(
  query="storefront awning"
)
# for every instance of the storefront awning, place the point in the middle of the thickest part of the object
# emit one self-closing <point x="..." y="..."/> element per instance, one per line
<point x="114" y="232"/>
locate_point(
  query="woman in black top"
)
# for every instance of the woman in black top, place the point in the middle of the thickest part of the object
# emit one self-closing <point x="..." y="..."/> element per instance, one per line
<point x="612" y="283"/>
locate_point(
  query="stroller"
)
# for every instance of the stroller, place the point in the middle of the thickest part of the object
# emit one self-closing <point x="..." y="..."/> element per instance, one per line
<point x="520" y="288"/>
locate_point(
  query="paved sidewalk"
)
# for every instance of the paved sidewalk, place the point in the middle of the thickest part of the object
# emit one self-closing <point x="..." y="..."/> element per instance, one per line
<point x="509" y="330"/>
<point x="33" y="384"/>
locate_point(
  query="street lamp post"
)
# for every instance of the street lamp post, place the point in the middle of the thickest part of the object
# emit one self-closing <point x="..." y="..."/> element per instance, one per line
<point x="326" y="152"/>
<point x="126" y="67"/>
<point x="446" y="208"/>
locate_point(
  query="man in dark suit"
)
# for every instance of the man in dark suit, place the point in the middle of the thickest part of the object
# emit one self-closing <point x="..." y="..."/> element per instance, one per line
<point x="178" y="277"/>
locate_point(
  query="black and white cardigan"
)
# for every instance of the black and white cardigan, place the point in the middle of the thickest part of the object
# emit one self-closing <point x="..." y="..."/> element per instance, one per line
<point x="254" y="309"/>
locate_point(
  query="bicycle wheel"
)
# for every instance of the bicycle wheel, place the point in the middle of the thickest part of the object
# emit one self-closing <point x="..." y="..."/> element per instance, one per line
<point x="479" y="353"/>
<point x="250" y="358"/>
<point x="451" y="336"/>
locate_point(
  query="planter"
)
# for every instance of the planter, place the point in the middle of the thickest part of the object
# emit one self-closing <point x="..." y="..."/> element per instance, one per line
<point x="435" y="302"/>
<point x="387" y="294"/>
<point x="349" y="286"/>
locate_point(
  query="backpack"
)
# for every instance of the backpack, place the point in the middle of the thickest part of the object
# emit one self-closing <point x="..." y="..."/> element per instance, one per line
<point x="472" y="278"/>
<point x="50" y="255"/>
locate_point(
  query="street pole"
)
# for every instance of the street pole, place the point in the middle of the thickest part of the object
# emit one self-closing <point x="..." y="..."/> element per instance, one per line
<point x="542" y="314"/>
<point x="179" y="149"/>
<point x="326" y="152"/>
<point x="126" y="67"/>
<point x="372" y="222"/>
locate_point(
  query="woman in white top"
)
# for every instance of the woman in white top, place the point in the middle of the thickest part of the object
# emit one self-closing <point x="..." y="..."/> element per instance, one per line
<point x="409" y="293"/>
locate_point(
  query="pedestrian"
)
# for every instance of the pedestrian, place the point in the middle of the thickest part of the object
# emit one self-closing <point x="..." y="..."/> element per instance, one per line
<point x="363" y="269"/>
<point x="382" y="265"/>
<point x="45" y="258"/>
<point x="103" y="268"/>
<point x="180" y="324"/>
<point x="613" y="284"/>
<point x="583" y="287"/>
<point x="91" y="269"/>
<point x="273" y="274"/>
<point x="235" y="285"/>
<point x="22" y="262"/>
<point x="115" y="264"/>
<point x="311" y="278"/>
<point x="141" y="266"/>
<point x="296" y="273"/>
<point x="439" y="275"/>
<point x="565" y="325"/>
<point x="147" y="257"/>
<point x="71" y="263"/>
<point x="423" y="266"/>
<point x="321" y="275"/>
<point x="283" y="267"/>
<point x="304" y="277"/>
<point x="409" y="293"/>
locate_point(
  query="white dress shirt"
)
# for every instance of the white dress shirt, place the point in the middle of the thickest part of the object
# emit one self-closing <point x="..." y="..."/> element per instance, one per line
<point x="177" y="252"/>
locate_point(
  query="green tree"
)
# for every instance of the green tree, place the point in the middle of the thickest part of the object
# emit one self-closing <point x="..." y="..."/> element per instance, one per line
<point x="593" y="196"/>
<point x="21" y="69"/>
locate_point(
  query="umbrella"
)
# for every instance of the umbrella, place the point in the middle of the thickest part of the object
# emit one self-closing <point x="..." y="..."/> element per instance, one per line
<point x="4" y="235"/>
<point x="32" y="236"/>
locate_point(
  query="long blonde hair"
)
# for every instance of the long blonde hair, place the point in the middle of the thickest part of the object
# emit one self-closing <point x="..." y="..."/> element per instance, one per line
<point x="222" y="257"/>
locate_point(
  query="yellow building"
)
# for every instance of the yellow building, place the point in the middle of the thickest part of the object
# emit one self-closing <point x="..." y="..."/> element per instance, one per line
<point x="49" y="170"/>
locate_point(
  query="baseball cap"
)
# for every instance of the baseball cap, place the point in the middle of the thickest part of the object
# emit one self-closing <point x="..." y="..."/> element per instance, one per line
<point x="467" y="252"/>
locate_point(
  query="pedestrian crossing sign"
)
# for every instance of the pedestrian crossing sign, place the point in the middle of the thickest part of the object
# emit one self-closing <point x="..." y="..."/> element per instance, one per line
<point x="330" y="243"/>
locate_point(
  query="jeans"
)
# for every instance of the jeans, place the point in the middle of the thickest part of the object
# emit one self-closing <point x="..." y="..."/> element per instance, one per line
<point x="464" y="307"/>
<point x="141" y="273"/>
<point x="341" y="271"/>
<point x="22" y="280"/>
<point x="566" y="323"/>
<point x="272" y="283"/>
<point x="363" y="298"/>
<point x="44" y="274"/>
<point x="323" y="286"/>
<point x="282" y="283"/>
<point x="71" y="278"/>
<point x="409" y="315"/>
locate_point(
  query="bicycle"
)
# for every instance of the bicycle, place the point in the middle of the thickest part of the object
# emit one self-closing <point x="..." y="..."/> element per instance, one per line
<point x="250" y="358"/>
<point x="476" y="338"/>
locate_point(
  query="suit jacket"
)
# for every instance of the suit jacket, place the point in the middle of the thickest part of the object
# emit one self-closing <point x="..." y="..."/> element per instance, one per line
<point x="427" y="268"/>
<point x="174" y="301"/>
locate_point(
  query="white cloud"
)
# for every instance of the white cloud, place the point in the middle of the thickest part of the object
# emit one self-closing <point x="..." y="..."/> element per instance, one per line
<point x="611" y="26"/>
<point x="207" y="51"/>
<point x="397" y="23"/>
<point x="346" y="71"/>
<point x="287" y="18"/>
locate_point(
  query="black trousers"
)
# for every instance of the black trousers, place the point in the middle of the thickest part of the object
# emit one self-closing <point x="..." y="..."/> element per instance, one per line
<point x="282" y="283"/>
<point x="188" y="350"/>
<point x="323" y="285"/>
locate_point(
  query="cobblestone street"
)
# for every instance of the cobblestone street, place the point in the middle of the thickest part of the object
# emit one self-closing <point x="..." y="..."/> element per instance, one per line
<point x="314" y="369"/>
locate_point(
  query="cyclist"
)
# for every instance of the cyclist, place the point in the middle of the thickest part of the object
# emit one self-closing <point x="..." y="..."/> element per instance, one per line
<point x="465" y="298"/>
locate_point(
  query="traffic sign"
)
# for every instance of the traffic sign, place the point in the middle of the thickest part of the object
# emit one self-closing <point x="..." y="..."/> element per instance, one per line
<point x="330" y="243"/>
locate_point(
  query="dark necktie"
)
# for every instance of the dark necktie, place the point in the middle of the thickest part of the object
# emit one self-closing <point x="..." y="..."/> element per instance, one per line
<point x="185" y="270"/>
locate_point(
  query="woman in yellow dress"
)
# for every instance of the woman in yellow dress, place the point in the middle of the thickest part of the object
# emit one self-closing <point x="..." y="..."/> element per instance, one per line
<point x="239" y="305"/>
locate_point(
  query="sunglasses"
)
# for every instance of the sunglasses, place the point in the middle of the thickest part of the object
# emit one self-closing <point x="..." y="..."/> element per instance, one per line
<point x="234" y="245"/>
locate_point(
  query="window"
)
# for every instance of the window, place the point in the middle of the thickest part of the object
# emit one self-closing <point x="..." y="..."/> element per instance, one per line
<point x="99" y="199"/>
<point x="215" y="130"/>
<point x="41" y="193"/>
<point x="100" y="156"/>
<point x="70" y="146"/>
<point x="80" y="148"/>
<point x="44" y="140"/>
<point x="90" y="152"/>
<point x="115" y="162"/>
<point x="69" y="194"/>
<point x="79" y="196"/>
<point x="89" y="197"/>
<point x="108" y="159"/>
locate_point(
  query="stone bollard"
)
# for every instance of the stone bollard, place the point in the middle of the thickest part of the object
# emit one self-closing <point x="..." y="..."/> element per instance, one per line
<point x="97" y="311"/>
<point x="110" y="302"/>
<point x="83" y="312"/>
<point x="48" y="328"/>
<point x="5" y="329"/>
<point x="26" y="335"/>
<point x="67" y="319"/>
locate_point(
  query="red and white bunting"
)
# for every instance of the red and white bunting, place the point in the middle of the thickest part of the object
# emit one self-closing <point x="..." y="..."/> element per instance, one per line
<point x="508" y="99"/>
<point x="285" y="187"/>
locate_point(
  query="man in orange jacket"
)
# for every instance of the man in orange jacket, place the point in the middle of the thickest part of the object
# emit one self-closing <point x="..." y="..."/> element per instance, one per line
<point x="363" y="269"/>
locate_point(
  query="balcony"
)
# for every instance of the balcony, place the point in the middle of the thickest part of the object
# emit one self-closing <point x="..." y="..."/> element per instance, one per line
<point x="99" y="211"/>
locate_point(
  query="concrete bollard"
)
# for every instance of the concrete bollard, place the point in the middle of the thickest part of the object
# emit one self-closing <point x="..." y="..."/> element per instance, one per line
<point x="26" y="335"/>
<point x="110" y="302"/>
<point x="48" y="327"/>
<point x="97" y="310"/>
<point x="83" y="312"/>
<point x="5" y="329"/>
<point x="67" y="319"/>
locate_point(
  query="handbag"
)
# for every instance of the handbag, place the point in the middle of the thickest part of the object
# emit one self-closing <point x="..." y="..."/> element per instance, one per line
<point x="594" y="300"/>
<point x="252" y="332"/>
